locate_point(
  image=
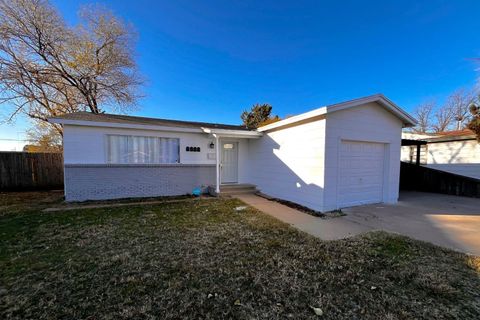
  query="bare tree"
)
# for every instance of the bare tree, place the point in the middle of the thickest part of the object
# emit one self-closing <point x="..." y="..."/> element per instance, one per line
<point x="48" y="68"/>
<point x="443" y="118"/>
<point x="458" y="102"/>
<point x="423" y="114"/>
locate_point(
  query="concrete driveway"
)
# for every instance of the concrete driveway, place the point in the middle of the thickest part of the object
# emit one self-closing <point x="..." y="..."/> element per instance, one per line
<point x="448" y="221"/>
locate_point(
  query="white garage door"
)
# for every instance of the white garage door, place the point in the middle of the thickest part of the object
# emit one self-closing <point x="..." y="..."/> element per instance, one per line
<point x="360" y="171"/>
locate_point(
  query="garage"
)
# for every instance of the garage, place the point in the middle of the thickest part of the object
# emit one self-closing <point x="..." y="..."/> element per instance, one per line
<point x="360" y="173"/>
<point x="337" y="156"/>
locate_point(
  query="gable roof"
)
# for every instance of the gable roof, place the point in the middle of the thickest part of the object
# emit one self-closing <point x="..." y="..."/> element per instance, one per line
<point x="408" y="120"/>
<point x="80" y="117"/>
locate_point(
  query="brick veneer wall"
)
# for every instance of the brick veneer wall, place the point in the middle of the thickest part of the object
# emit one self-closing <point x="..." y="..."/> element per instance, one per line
<point x="100" y="182"/>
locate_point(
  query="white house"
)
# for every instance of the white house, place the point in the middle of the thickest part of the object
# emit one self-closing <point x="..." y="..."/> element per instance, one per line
<point x="451" y="151"/>
<point x="335" y="156"/>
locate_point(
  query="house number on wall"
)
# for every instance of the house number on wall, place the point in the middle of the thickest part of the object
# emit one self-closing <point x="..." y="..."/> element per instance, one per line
<point x="192" y="149"/>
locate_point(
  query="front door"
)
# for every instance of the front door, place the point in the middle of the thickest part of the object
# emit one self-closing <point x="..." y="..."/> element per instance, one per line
<point x="229" y="163"/>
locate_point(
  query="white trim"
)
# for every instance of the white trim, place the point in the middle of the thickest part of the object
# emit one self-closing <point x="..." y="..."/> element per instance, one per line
<point x="226" y="133"/>
<point x="386" y="175"/>
<point x="379" y="98"/>
<point x="123" y="125"/>
<point x="304" y="116"/>
<point x="217" y="164"/>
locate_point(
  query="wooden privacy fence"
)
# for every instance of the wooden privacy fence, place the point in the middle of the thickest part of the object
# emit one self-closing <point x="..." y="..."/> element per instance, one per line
<point x="418" y="178"/>
<point x="29" y="171"/>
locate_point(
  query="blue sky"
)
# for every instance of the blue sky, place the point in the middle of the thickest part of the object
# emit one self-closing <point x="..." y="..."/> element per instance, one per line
<point x="209" y="60"/>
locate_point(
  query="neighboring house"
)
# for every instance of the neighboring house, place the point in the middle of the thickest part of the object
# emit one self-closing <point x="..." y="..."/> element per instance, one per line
<point x="336" y="156"/>
<point x="452" y="151"/>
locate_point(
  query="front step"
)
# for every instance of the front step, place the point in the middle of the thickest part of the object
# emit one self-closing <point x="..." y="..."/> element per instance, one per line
<point x="234" y="189"/>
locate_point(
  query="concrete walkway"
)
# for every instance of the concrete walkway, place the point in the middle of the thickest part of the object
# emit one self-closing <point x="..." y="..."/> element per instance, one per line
<point x="325" y="229"/>
<point x="448" y="221"/>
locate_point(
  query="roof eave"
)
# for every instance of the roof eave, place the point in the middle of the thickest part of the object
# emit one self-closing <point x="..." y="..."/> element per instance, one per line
<point x="227" y="133"/>
<point x="295" y="119"/>
<point x="451" y="138"/>
<point x="221" y="132"/>
<point x="123" y="125"/>
<point x="407" y="120"/>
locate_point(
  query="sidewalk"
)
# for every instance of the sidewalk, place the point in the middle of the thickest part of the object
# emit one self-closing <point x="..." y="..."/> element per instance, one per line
<point x="325" y="229"/>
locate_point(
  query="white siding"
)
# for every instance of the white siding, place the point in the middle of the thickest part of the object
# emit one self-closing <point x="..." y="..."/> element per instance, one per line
<point x="243" y="165"/>
<point x="367" y="123"/>
<point x="300" y="163"/>
<point x="409" y="154"/>
<point x="459" y="157"/>
<point x="86" y="145"/>
<point x="289" y="163"/>
<point x="466" y="151"/>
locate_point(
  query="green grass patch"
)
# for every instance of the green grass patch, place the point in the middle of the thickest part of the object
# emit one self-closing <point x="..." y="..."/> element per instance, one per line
<point x="394" y="248"/>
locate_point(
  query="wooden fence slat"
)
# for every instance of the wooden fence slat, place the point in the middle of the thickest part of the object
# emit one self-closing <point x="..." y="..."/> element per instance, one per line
<point x="29" y="171"/>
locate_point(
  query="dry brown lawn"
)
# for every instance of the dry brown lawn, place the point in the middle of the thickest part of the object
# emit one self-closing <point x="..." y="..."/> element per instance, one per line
<point x="204" y="260"/>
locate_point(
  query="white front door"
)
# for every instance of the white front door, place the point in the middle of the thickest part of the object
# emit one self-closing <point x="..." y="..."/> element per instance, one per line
<point x="229" y="163"/>
<point x="360" y="173"/>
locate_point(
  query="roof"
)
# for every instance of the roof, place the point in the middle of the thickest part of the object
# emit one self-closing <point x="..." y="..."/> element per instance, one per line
<point x="454" y="135"/>
<point x="445" y="136"/>
<point x="116" y="118"/>
<point x="408" y="120"/>
<point x="123" y="121"/>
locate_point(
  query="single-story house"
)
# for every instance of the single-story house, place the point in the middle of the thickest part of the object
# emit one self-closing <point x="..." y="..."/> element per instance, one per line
<point x="335" y="156"/>
<point x="455" y="151"/>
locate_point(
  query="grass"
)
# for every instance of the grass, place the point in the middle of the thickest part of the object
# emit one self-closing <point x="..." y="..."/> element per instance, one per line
<point x="203" y="260"/>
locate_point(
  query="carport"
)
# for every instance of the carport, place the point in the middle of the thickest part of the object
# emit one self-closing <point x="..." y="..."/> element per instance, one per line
<point x="418" y="144"/>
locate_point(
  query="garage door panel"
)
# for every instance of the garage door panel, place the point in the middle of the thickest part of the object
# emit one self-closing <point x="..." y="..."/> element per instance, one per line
<point x="359" y="181"/>
<point x="361" y="172"/>
<point x="364" y="191"/>
<point x="366" y="173"/>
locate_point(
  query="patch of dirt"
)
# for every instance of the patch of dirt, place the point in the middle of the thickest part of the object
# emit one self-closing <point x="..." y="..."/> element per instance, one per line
<point x="17" y="202"/>
<point x="21" y="202"/>
<point x="293" y="205"/>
